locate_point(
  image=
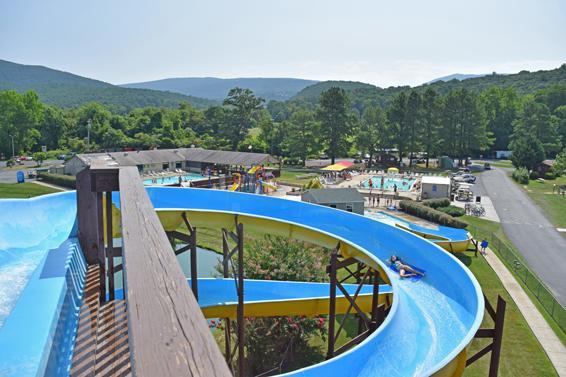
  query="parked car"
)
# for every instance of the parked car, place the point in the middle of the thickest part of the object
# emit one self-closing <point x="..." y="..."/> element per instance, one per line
<point x="487" y="166"/>
<point x="468" y="178"/>
<point x="62" y="157"/>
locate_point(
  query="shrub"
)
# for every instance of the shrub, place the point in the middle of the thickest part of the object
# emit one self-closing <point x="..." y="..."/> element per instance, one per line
<point x="436" y="203"/>
<point x="521" y="175"/>
<point x="431" y="214"/>
<point x="452" y="211"/>
<point x="550" y="175"/>
<point x="287" y="341"/>
<point x="58" y="179"/>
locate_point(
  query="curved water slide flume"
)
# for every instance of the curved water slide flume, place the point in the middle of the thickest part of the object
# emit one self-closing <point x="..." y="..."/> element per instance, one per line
<point x="431" y="321"/>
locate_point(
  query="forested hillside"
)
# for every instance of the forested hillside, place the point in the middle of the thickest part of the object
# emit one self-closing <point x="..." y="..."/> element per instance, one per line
<point x="217" y="88"/>
<point x="67" y="90"/>
<point x="359" y="93"/>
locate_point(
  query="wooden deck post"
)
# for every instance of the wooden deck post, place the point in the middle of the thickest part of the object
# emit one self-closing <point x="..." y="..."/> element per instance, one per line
<point x="332" y="310"/>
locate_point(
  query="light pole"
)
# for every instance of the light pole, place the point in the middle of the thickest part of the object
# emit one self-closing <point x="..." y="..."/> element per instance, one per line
<point x="88" y="127"/>
<point x="13" y="149"/>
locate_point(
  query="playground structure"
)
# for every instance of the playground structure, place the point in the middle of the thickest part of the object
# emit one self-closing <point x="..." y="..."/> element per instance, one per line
<point x="409" y="328"/>
<point x="255" y="180"/>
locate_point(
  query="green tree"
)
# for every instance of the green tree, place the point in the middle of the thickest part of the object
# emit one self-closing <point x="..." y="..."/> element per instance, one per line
<point x="335" y="123"/>
<point x="302" y="131"/>
<point x="20" y="115"/>
<point x="430" y="123"/>
<point x="559" y="166"/>
<point x="501" y="107"/>
<point x="397" y="119"/>
<point x="528" y="151"/>
<point x="413" y="122"/>
<point x="373" y="132"/>
<point x="39" y="157"/>
<point x="535" y="120"/>
<point x="244" y="108"/>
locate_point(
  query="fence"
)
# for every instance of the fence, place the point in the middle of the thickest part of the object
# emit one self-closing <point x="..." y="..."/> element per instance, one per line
<point x="523" y="273"/>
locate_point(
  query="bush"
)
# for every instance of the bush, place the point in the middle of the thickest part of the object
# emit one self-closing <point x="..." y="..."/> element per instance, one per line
<point x="286" y="341"/>
<point x="521" y="175"/>
<point x="436" y="203"/>
<point x="58" y="179"/>
<point x="452" y="211"/>
<point x="550" y="175"/>
<point x="431" y="214"/>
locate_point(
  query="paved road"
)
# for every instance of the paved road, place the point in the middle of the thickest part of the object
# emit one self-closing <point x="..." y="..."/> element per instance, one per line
<point x="525" y="225"/>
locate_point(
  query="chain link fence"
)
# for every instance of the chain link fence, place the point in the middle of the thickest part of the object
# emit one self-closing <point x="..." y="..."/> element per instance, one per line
<point x="523" y="273"/>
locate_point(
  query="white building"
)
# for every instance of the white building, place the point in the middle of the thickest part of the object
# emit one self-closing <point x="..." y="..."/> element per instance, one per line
<point x="433" y="187"/>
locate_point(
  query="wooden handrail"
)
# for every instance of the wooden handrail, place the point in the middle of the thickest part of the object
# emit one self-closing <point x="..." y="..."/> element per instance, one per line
<point x="168" y="334"/>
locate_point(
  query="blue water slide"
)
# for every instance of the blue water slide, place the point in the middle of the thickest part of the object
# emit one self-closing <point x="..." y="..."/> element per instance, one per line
<point x="431" y="321"/>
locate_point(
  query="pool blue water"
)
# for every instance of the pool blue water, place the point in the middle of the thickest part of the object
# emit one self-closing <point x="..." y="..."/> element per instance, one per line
<point x="403" y="184"/>
<point x="171" y="180"/>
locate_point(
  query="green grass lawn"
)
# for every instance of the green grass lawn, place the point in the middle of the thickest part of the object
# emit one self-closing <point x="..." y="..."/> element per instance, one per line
<point x="494" y="227"/>
<point x="553" y="205"/>
<point x="521" y="353"/>
<point x="498" y="163"/>
<point x="295" y="177"/>
<point x="23" y="190"/>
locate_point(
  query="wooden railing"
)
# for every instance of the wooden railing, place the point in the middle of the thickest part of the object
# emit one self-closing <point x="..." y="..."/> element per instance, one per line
<point x="168" y="334"/>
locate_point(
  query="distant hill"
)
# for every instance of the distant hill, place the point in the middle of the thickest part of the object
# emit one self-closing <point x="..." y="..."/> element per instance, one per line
<point x="316" y="89"/>
<point x="524" y="82"/>
<point x="68" y="90"/>
<point x="457" y="76"/>
<point x="216" y="88"/>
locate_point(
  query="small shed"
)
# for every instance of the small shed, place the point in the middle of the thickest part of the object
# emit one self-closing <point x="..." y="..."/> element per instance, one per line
<point x="544" y="167"/>
<point x="435" y="187"/>
<point x="346" y="199"/>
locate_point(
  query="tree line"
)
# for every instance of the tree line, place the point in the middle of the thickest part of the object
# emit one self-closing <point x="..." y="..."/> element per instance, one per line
<point x="459" y="124"/>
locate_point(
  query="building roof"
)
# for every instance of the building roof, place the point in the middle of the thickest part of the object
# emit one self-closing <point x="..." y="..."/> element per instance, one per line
<point x="155" y="156"/>
<point x="547" y="163"/>
<point x="337" y="195"/>
<point x="435" y="180"/>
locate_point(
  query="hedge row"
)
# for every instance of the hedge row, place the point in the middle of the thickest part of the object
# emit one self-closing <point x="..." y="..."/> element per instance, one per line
<point x="68" y="181"/>
<point x="436" y="203"/>
<point x="430" y="214"/>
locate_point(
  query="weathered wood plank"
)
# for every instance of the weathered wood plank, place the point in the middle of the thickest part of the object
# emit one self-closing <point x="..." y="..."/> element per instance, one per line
<point x="168" y="334"/>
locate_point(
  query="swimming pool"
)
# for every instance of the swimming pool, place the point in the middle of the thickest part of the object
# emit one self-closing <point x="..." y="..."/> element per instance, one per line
<point x="171" y="179"/>
<point x="403" y="184"/>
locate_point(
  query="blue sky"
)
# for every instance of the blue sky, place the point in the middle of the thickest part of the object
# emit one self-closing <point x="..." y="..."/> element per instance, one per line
<point x="398" y="42"/>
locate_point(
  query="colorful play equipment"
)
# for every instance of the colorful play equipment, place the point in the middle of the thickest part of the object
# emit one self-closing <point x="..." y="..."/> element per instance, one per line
<point x="450" y="239"/>
<point x="429" y="325"/>
<point x="254" y="181"/>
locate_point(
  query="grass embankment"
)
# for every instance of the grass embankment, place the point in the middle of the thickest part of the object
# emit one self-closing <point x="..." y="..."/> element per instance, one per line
<point x="521" y="354"/>
<point x="553" y="204"/>
<point x="296" y="177"/>
<point x="23" y="190"/>
<point x="486" y="226"/>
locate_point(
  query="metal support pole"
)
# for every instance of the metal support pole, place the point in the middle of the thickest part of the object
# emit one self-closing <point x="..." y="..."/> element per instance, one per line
<point x="332" y="309"/>
<point x="375" y="302"/>
<point x="101" y="252"/>
<point x="194" y="272"/>
<point x="227" y="327"/>
<point x="110" y="245"/>
<point x="497" y="338"/>
<point x="240" y="319"/>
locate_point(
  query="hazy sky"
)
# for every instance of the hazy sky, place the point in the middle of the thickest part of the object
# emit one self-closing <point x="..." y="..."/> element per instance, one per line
<point x="393" y="42"/>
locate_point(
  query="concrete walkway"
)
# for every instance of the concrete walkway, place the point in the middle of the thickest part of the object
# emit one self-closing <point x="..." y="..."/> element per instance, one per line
<point x="50" y="185"/>
<point x="550" y="343"/>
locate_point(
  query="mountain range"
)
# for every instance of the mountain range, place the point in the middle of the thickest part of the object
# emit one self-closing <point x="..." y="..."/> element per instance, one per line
<point x="280" y="89"/>
<point x="69" y="90"/>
